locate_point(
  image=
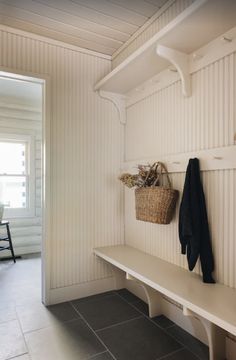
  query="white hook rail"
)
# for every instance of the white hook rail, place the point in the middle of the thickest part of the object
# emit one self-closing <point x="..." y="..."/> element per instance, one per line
<point x="211" y="159"/>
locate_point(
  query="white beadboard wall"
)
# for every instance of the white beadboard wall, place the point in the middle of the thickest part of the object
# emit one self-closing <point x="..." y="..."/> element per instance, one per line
<point x="87" y="143"/>
<point x="166" y="123"/>
<point x="173" y="9"/>
<point x="14" y="118"/>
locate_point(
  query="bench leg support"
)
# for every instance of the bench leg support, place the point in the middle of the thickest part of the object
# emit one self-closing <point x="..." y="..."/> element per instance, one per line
<point x="153" y="297"/>
<point x="119" y="278"/>
<point x="215" y="335"/>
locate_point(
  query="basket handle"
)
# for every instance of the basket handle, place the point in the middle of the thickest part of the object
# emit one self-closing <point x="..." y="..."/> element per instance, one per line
<point x="159" y="174"/>
<point x="163" y="171"/>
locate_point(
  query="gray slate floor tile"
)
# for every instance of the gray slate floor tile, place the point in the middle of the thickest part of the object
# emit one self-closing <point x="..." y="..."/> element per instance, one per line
<point x="138" y="339"/>
<point x="7" y="312"/>
<point x="93" y="297"/>
<point x="163" y="321"/>
<point x="68" y="341"/>
<point x="21" y="282"/>
<point x="127" y="295"/>
<point x="63" y="312"/>
<point x="181" y="355"/>
<point x="11" y="340"/>
<point x="106" y="311"/>
<point x="37" y="316"/>
<point x="141" y="306"/>
<point x="193" y="344"/>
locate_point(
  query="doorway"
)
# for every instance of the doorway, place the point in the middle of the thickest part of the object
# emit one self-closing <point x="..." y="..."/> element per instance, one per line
<point x="24" y="139"/>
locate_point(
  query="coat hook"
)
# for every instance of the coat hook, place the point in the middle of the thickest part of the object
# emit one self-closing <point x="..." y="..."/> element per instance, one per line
<point x="154" y="81"/>
<point x="172" y="69"/>
<point x="197" y="56"/>
<point x="226" y="39"/>
<point x="217" y="158"/>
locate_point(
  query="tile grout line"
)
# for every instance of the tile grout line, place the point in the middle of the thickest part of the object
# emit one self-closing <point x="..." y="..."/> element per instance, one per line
<point x="94" y="356"/>
<point x="50" y="326"/>
<point x="131" y="304"/>
<point x="184" y="346"/>
<point x="93" y="331"/>
<point x="120" y="323"/>
<point x="23" y="335"/>
<point x="82" y="301"/>
<point x="165" y="330"/>
<point x="172" y="353"/>
<point x="18" y="356"/>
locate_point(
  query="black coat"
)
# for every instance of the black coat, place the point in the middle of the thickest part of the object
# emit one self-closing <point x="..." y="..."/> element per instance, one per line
<point x="194" y="232"/>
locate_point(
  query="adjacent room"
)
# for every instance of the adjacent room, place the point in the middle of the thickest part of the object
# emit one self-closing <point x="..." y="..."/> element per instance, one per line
<point x="117" y="179"/>
<point x="20" y="188"/>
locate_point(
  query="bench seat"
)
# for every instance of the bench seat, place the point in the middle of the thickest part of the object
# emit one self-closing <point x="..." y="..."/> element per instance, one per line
<point x="212" y="304"/>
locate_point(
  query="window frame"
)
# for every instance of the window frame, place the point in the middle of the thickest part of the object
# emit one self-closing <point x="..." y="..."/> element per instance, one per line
<point x="29" y="139"/>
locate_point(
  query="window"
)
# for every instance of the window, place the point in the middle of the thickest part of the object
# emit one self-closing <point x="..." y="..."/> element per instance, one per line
<point x="16" y="175"/>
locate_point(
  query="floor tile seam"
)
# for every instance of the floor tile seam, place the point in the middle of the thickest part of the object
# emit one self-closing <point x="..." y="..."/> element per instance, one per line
<point x="130" y="302"/>
<point x="171" y="335"/>
<point x="18" y="356"/>
<point x="91" y="301"/>
<point x="165" y="330"/>
<point x="133" y="306"/>
<point x="94" y="332"/>
<point x="184" y="346"/>
<point x="168" y="327"/>
<point x="51" y="326"/>
<point x="23" y="335"/>
<point x="94" y="356"/>
<point x="120" y="323"/>
<point x="146" y="316"/>
<point x="159" y="326"/>
<point x="7" y="321"/>
<point x="171" y="353"/>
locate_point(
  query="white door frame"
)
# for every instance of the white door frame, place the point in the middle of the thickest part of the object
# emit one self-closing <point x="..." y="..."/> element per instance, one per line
<point x="44" y="80"/>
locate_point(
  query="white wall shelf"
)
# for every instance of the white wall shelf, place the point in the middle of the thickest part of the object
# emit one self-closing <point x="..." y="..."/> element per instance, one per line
<point x="211" y="159"/>
<point x="196" y="26"/>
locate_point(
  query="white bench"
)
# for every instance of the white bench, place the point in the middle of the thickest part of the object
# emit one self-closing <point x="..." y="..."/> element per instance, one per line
<point x="213" y="304"/>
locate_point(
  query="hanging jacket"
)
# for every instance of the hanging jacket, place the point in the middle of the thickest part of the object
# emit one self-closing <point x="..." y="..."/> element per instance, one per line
<point x="194" y="232"/>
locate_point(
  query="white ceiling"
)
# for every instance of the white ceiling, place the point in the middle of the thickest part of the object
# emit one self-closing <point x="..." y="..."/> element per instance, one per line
<point x="21" y="92"/>
<point x="99" y="25"/>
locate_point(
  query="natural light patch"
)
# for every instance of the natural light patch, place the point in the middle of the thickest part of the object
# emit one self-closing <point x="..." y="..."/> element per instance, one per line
<point x="13" y="174"/>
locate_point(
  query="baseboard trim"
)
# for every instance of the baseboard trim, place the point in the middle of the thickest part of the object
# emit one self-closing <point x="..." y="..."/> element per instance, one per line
<point x="23" y="250"/>
<point x="80" y="290"/>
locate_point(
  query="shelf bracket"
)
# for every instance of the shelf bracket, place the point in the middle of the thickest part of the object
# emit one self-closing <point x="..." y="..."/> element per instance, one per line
<point x="153" y="297"/>
<point x="119" y="101"/>
<point x="181" y="62"/>
<point x="215" y="335"/>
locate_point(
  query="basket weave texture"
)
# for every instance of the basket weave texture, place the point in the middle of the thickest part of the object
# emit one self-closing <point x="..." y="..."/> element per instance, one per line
<point x="156" y="204"/>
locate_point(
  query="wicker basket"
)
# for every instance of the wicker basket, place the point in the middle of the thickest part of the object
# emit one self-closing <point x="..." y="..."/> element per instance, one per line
<point x="156" y="204"/>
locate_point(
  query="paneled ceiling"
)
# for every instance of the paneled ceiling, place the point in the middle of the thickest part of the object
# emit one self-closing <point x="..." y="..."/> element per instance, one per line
<point x="99" y="25"/>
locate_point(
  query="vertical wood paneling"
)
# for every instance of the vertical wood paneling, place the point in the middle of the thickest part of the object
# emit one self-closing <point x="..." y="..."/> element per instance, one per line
<point x="171" y="12"/>
<point x="86" y="153"/>
<point x="166" y="123"/>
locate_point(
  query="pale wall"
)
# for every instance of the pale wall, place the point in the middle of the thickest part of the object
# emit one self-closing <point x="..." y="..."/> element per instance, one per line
<point x="86" y="153"/>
